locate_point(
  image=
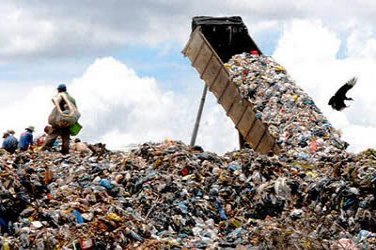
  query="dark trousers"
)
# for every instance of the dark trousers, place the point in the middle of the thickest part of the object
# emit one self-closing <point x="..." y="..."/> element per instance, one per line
<point x="52" y="136"/>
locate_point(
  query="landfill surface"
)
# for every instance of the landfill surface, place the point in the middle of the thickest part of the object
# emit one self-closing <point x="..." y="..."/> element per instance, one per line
<point x="167" y="195"/>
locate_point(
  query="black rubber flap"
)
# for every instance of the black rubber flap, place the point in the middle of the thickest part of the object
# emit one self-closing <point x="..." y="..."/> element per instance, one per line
<point x="227" y="35"/>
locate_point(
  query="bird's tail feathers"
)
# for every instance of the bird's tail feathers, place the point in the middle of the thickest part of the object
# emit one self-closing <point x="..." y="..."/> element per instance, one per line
<point x="352" y="81"/>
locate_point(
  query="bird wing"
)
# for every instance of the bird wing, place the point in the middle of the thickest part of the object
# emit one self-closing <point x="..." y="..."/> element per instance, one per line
<point x="341" y="92"/>
<point x="331" y="101"/>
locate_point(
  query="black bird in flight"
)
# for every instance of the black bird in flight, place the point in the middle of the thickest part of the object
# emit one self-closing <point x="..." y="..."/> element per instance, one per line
<point x="338" y="100"/>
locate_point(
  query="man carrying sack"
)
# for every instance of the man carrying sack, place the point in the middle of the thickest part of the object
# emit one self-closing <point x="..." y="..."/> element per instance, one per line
<point x="64" y="115"/>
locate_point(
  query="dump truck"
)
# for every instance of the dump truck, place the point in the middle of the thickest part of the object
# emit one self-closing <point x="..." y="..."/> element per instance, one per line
<point x="213" y="41"/>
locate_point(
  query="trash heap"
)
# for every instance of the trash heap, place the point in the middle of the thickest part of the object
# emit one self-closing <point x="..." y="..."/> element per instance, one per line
<point x="290" y="114"/>
<point x="169" y="195"/>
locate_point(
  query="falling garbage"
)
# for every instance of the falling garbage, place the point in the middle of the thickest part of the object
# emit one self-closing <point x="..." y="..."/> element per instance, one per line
<point x="290" y="114"/>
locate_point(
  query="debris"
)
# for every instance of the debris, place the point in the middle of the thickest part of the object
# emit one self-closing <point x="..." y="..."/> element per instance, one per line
<point x="241" y="199"/>
<point x="290" y="114"/>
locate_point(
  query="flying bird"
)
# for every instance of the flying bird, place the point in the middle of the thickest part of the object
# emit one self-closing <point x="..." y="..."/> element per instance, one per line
<point x="338" y="100"/>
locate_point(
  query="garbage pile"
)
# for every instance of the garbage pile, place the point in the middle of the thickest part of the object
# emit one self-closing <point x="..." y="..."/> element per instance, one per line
<point x="169" y="195"/>
<point x="290" y="114"/>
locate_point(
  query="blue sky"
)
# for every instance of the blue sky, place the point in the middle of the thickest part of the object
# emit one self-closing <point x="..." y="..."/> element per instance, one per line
<point x="122" y="61"/>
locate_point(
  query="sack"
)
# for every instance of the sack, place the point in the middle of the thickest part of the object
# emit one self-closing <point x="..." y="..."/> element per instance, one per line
<point x="61" y="120"/>
<point x="75" y="129"/>
<point x="64" y="118"/>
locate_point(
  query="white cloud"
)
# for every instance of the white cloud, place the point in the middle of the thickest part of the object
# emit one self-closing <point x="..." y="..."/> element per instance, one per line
<point x="118" y="108"/>
<point x="307" y="39"/>
<point x="112" y="97"/>
<point x="308" y="50"/>
<point x="23" y="33"/>
<point x="362" y="43"/>
<point x="24" y="106"/>
<point x="361" y="137"/>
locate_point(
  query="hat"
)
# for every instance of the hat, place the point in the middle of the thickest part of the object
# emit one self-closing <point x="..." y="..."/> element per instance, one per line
<point x="10" y="131"/>
<point x="31" y="128"/>
<point x="62" y="88"/>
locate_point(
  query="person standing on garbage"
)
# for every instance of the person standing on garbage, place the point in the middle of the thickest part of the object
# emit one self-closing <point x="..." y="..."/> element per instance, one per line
<point x="10" y="142"/>
<point x="64" y="103"/>
<point x="26" y="139"/>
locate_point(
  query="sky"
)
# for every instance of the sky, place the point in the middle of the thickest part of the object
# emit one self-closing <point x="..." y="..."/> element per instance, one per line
<point x="122" y="62"/>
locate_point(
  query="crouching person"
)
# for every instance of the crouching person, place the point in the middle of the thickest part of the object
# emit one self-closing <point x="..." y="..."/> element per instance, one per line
<point x="26" y="139"/>
<point x="10" y="142"/>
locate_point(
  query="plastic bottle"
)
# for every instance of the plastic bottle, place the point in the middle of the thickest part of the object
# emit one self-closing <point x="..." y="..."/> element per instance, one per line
<point x="106" y="183"/>
<point x="221" y="211"/>
<point x="78" y="216"/>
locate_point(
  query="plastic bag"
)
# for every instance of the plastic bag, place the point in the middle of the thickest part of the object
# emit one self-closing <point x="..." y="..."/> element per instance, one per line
<point x="75" y="129"/>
